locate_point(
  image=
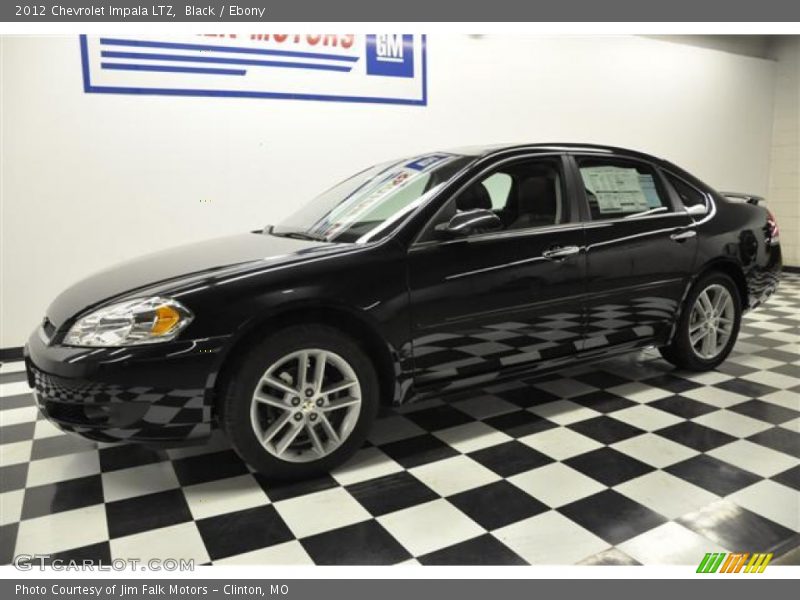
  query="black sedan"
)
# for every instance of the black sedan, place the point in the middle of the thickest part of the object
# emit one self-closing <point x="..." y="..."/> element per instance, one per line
<point x="413" y="278"/>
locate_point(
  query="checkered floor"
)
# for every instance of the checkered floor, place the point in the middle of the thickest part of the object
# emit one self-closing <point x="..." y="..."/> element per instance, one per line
<point x="624" y="462"/>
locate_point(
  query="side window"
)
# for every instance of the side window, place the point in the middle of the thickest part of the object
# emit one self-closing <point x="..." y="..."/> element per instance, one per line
<point x="689" y="195"/>
<point x="499" y="187"/>
<point x="618" y="188"/>
<point x="525" y="194"/>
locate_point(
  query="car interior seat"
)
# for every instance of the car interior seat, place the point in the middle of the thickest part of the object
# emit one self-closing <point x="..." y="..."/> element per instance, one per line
<point x="475" y="196"/>
<point x="537" y="203"/>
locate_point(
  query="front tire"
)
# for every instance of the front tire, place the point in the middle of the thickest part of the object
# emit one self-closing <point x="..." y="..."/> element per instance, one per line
<point x="708" y="325"/>
<point x="301" y="402"/>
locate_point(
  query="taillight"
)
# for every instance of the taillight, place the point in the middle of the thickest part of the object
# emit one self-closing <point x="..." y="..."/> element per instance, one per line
<point x="773" y="233"/>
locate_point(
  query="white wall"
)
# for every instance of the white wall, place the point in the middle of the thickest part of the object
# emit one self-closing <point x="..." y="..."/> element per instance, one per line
<point x="88" y="180"/>
<point x="784" y="182"/>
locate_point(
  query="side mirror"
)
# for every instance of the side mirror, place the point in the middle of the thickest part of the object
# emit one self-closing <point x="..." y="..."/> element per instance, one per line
<point x="697" y="210"/>
<point x="468" y="222"/>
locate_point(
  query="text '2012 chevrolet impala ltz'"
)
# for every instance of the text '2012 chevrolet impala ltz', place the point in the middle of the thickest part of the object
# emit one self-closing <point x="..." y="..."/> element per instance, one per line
<point x="411" y="279"/>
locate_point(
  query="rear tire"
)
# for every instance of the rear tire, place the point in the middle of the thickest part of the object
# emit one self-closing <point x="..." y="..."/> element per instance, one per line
<point x="293" y="422"/>
<point x="708" y="326"/>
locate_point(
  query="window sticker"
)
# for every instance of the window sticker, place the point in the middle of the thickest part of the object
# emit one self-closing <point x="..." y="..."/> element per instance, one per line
<point x="350" y="211"/>
<point x="617" y="189"/>
<point x="648" y="185"/>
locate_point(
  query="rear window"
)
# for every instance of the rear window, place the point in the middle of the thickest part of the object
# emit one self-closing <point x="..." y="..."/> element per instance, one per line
<point x="688" y="194"/>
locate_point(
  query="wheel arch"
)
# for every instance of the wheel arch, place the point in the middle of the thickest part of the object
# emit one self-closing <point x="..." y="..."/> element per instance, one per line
<point x="733" y="270"/>
<point x="384" y="357"/>
<point x="721" y="265"/>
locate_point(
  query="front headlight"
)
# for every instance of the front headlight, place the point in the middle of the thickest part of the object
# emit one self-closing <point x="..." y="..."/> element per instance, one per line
<point x="140" y="321"/>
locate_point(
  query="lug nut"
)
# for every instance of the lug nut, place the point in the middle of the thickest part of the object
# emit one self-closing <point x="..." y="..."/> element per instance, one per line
<point x="309" y="392"/>
<point x="298" y="416"/>
<point x="320" y="402"/>
<point x="312" y="417"/>
<point x="295" y="401"/>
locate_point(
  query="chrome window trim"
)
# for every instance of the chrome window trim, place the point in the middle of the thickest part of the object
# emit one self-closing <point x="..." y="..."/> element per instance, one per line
<point x="677" y="213"/>
<point x="501" y="235"/>
<point x="489" y="236"/>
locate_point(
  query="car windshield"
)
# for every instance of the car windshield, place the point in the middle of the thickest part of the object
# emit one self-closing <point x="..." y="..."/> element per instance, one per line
<point x="370" y="204"/>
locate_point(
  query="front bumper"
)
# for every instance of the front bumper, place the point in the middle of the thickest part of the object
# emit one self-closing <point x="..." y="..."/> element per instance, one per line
<point x="160" y="393"/>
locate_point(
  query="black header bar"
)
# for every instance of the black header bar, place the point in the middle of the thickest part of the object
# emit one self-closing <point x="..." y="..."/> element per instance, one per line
<point x="41" y="11"/>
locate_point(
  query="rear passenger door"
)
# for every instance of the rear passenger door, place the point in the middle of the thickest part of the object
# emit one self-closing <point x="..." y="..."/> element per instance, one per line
<point x="640" y="250"/>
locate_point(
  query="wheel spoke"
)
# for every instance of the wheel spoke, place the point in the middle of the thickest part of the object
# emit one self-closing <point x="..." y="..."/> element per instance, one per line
<point x="340" y="403"/>
<point x="338" y="387"/>
<point x="302" y="370"/>
<point x="696" y="326"/>
<point x="319" y="371"/>
<point x="704" y="303"/>
<point x="289" y="437"/>
<point x="699" y="316"/>
<point x="278" y="384"/>
<point x="699" y="337"/>
<point x="273" y="429"/>
<point x="329" y="430"/>
<point x="316" y="443"/>
<point x="262" y="398"/>
<point x="724" y="308"/>
<point x="719" y="300"/>
<point x="710" y="343"/>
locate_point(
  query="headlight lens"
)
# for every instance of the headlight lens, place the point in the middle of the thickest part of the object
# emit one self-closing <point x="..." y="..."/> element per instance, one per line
<point x="140" y="321"/>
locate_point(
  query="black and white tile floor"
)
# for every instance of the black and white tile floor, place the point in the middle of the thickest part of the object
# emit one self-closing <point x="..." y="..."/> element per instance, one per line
<point x="624" y="462"/>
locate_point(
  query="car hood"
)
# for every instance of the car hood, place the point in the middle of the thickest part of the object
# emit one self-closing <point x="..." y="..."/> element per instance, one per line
<point x="187" y="264"/>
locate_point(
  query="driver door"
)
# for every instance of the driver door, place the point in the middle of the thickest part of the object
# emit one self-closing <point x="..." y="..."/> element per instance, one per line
<point x="499" y="300"/>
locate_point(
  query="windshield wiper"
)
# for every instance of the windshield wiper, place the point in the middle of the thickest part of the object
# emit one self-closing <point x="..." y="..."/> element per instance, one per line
<point x="299" y="235"/>
<point x="651" y="211"/>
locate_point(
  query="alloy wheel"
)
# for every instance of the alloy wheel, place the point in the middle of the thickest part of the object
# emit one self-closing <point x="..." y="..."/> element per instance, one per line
<point x="711" y="321"/>
<point x="306" y="405"/>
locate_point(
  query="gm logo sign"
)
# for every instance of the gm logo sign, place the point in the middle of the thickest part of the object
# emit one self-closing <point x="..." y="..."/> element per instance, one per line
<point x="390" y="55"/>
<point x="346" y="67"/>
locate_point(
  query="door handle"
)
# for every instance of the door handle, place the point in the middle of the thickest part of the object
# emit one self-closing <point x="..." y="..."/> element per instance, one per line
<point x="560" y="252"/>
<point x="681" y="236"/>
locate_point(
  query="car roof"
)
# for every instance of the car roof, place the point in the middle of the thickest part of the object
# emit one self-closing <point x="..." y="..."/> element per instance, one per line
<point x="596" y="149"/>
<point x="490" y="149"/>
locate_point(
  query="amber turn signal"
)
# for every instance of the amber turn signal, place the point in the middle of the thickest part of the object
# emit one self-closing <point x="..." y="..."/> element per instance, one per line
<point x="167" y="319"/>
